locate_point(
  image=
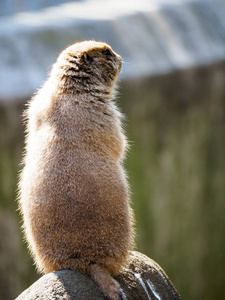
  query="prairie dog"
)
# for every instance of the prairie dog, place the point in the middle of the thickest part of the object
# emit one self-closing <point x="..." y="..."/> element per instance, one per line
<point x="74" y="195"/>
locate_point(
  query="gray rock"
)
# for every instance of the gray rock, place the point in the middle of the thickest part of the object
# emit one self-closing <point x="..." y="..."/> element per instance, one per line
<point x="141" y="279"/>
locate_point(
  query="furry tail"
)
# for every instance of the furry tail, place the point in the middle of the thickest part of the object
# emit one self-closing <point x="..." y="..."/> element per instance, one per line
<point x="108" y="285"/>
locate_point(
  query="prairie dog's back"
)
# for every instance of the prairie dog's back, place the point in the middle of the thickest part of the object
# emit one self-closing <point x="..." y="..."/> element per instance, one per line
<point x="74" y="195"/>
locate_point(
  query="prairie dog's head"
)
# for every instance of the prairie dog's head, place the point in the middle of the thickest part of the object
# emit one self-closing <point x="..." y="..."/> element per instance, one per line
<point x="88" y="65"/>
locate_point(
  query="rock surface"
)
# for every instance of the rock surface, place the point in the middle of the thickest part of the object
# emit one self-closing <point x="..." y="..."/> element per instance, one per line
<point x="141" y="279"/>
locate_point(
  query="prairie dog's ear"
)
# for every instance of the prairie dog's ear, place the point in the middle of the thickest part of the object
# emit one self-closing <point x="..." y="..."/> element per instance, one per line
<point x="87" y="58"/>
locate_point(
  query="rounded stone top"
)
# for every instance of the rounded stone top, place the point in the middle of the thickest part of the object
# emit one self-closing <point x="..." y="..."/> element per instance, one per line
<point x="141" y="279"/>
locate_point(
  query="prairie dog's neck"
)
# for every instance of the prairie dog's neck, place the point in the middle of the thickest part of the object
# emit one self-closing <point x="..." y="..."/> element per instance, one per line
<point x="96" y="92"/>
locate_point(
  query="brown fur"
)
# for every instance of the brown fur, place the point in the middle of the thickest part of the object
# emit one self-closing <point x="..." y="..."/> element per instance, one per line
<point x="74" y="195"/>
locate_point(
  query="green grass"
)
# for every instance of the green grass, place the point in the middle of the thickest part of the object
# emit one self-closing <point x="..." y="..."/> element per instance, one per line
<point x="176" y="166"/>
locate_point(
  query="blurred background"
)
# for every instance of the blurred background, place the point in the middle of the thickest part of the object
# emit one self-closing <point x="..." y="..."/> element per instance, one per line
<point x="172" y="91"/>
